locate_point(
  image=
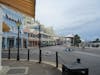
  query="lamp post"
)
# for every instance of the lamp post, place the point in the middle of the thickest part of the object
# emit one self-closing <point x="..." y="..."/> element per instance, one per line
<point x="40" y="45"/>
<point x="18" y="23"/>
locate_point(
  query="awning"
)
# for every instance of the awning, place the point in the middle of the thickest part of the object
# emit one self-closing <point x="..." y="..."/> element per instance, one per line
<point x="23" y="6"/>
<point x="5" y="27"/>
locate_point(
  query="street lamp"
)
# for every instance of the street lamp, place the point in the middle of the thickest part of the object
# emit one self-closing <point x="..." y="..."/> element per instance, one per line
<point x="73" y="41"/>
<point x="40" y="44"/>
<point x="18" y="23"/>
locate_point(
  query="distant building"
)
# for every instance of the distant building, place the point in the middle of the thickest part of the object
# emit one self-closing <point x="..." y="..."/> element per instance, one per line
<point x="91" y="44"/>
<point x="69" y="40"/>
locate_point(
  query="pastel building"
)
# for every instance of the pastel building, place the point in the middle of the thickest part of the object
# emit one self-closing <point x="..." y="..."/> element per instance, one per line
<point x="11" y="18"/>
<point x="1" y="21"/>
<point x="69" y="40"/>
<point x="32" y="28"/>
<point x="29" y="30"/>
<point x="32" y="33"/>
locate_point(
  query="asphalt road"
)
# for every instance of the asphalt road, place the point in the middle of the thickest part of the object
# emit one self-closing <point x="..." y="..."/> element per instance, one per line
<point x="90" y="57"/>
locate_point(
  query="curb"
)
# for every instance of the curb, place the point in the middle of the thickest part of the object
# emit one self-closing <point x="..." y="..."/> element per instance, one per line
<point x="45" y="62"/>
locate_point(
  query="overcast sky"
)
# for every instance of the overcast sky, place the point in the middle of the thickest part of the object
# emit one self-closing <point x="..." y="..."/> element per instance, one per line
<point x="71" y="16"/>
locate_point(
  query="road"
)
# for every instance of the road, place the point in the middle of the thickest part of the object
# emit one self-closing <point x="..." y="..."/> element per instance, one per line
<point x="90" y="57"/>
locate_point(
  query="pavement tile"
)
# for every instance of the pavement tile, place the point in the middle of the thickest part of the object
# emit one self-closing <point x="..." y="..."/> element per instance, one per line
<point x="34" y="67"/>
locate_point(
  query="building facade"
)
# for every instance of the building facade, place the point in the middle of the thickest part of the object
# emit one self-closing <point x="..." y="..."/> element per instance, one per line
<point x="33" y="35"/>
<point x="1" y="21"/>
<point x="69" y="40"/>
<point x="11" y="19"/>
<point x="29" y="30"/>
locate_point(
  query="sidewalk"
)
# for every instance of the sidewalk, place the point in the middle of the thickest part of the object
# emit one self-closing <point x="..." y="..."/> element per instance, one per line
<point x="28" y="68"/>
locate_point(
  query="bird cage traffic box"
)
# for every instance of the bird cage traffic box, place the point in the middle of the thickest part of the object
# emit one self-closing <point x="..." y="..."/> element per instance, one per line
<point x="74" y="70"/>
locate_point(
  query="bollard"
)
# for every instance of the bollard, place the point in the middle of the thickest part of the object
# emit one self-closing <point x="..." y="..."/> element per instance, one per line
<point x="28" y="55"/>
<point x="69" y="49"/>
<point x="57" y="59"/>
<point x="9" y="53"/>
<point x="40" y="57"/>
<point x="78" y="60"/>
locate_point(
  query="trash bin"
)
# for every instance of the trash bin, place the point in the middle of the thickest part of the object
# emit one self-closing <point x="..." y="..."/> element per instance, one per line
<point x="74" y="70"/>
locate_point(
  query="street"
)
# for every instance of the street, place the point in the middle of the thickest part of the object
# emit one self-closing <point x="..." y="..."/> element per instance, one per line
<point x="90" y="57"/>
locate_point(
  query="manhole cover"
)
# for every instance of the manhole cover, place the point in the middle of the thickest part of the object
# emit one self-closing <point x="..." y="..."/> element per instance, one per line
<point x="18" y="71"/>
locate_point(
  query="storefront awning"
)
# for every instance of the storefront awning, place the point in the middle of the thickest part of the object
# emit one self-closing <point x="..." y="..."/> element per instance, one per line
<point x="5" y="27"/>
<point x="23" y="6"/>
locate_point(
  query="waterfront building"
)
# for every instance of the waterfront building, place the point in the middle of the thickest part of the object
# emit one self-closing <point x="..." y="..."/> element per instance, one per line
<point x="69" y="40"/>
<point x="88" y="44"/>
<point x="49" y="35"/>
<point x="11" y="18"/>
<point x="33" y="35"/>
<point x="1" y="21"/>
<point x="29" y="30"/>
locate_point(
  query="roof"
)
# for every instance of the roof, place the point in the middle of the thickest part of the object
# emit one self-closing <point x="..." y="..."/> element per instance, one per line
<point x="70" y="36"/>
<point x="23" y="6"/>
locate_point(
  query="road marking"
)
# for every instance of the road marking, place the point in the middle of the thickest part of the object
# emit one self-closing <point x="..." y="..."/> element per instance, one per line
<point x="86" y="53"/>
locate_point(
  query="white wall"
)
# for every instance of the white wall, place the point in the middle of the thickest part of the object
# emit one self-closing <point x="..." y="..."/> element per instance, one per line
<point x="1" y="20"/>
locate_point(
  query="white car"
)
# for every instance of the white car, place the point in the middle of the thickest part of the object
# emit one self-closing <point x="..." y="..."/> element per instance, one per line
<point x="68" y="49"/>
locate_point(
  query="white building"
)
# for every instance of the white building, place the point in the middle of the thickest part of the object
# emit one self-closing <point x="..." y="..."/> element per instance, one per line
<point x="1" y="21"/>
<point x="69" y="40"/>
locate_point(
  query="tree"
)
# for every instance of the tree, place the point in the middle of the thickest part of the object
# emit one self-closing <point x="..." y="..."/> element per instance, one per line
<point x="76" y="40"/>
<point x="96" y="40"/>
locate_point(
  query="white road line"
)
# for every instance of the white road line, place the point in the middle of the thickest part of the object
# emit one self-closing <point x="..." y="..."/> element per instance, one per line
<point x="86" y="53"/>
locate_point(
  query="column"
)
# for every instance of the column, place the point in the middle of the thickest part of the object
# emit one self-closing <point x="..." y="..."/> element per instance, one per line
<point x="14" y="42"/>
<point x="0" y="49"/>
<point x="22" y="42"/>
<point x="8" y="43"/>
<point x="33" y="43"/>
<point x="1" y="20"/>
<point x="5" y="42"/>
<point x="36" y="43"/>
<point x="27" y="43"/>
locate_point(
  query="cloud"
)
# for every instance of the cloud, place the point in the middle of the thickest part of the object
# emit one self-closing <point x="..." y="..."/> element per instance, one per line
<point x="70" y="16"/>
